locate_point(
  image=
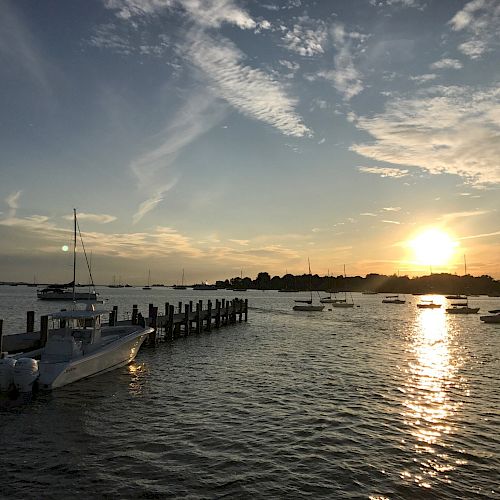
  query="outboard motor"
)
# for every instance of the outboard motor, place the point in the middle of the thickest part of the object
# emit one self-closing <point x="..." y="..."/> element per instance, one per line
<point x="25" y="374"/>
<point x="6" y="374"/>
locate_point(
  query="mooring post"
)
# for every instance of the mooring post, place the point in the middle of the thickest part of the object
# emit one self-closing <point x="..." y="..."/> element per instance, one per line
<point x="111" y="320"/>
<point x="226" y="313"/>
<point x="187" y="323"/>
<point x="180" y="307"/>
<point x="30" y="321"/>
<point x="1" y="338"/>
<point x="240" y="310"/>
<point x="135" y="312"/>
<point x="246" y="310"/>
<point x="150" y="310"/>
<point x="169" y="328"/>
<point x="197" y="320"/>
<point x="223" y="308"/>
<point x="115" y="309"/>
<point x="44" y="330"/>
<point x="209" y="316"/>
<point x="190" y="306"/>
<point x="152" y="341"/>
<point x="217" y="313"/>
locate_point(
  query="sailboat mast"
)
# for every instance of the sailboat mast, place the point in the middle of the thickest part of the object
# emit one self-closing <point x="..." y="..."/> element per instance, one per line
<point x="465" y="266"/>
<point x="74" y="252"/>
<point x="310" y="279"/>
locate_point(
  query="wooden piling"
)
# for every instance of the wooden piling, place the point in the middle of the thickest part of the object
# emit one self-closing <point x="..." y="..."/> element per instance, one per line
<point x="198" y="318"/>
<point x="153" y="319"/>
<point x="246" y="310"/>
<point x="217" y="313"/>
<point x="209" y="316"/>
<point x="180" y="307"/>
<point x="150" y="310"/>
<point x="115" y="310"/>
<point x="187" y="323"/>
<point x="30" y="322"/>
<point x="1" y="338"/>
<point x="135" y="312"/>
<point x="44" y="330"/>
<point x="170" y="324"/>
<point x="240" y="310"/>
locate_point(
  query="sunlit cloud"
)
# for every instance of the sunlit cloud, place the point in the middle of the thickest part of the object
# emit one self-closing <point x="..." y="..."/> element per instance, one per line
<point x="482" y="235"/>
<point x="368" y="214"/>
<point x="391" y="222"/>
<point x="240" y="242"/>
<point x="464" y="214"/>
<point x="427" y="77"/>
<point x="385" y="171"/>
<point x="391" y="209"/>
<point x="453" y="130"/>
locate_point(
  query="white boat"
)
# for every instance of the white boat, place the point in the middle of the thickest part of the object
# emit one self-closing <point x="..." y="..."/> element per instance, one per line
<point x="307" y="304"/>
<point x="393" y="299"/>
<point x="495" y="318"/>
<point x="63" y="292"/>
<point x="148" y="287"/>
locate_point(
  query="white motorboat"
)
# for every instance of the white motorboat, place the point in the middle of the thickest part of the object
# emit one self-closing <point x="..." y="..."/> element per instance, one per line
<point x="462" y="308"/>
<point x="428" y="304"/>
<point x="78" y="347"/>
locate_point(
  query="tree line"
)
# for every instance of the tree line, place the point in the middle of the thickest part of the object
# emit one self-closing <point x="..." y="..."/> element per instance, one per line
<point x="442" y="283"/>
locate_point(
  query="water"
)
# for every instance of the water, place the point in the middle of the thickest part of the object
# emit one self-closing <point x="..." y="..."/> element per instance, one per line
<point x="380" y="401"/>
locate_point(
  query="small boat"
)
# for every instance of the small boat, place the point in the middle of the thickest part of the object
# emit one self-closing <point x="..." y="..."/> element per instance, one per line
<point x="204" y="286"/>
<point x="462" y="308"/>
<point x="64" y="292"/>
<point x="456" y="297"/>
<point x="495" y="318"/>
<point x="306" y="305"/>
<point x="148" y="286"/>
<point x="393" y="299"/>
<point x="428" y="304"/>
<point x="181" y="286"/>
<point x="369" y="293"/>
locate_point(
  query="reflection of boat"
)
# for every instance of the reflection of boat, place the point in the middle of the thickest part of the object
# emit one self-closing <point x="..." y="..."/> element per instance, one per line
<point x="428" y="304"/>
<point x="393" y="299"/>
<point x="307" y="304"/>
<point x="495" y="318"/>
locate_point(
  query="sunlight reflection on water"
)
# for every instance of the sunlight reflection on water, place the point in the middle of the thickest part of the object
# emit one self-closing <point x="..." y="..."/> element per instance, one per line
<point x="432" y="373"/>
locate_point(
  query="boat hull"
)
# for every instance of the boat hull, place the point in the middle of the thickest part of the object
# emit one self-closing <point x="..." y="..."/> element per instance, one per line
<point x="462" y="310"/>
<point x="342" y="304"/>
<point x="67" y="296"/>
<point x="490" y="319"/>
<point x="308" y="308"/>
<point x="113" y="355"/>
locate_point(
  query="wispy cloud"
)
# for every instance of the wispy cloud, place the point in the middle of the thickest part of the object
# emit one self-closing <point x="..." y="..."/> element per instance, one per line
<point x="452" y="130"/>
<point x="480" y="19"/>
<point x="344" y="77"/>
<point x="307" y="37"/>
<point x="250" y="90"/>
<point x="391" y="222"/>
<point x="385" y="171"/>
<point x="482" y="235"/>
<point x="427" y="77"/>
<point x="446" y="63"/>
<point x="391" y="209"/>
<point x="12" y="202"/>
<point x="99" y="218"/>
<point x="464" y="214"/>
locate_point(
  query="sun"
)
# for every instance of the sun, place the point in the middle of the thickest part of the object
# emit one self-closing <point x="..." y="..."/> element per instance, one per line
<point x="433" y="247"/>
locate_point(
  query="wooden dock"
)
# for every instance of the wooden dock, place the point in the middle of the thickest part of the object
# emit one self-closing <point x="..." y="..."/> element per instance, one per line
<point x="171" y="322"/>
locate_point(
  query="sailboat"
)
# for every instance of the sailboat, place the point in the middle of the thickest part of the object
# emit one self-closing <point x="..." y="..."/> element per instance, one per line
<point x="337" y="302"/>
<point x="181" y="286"/>
<point x="148" y="287"/>
<point x="307" y="304"/>
<point x="78" y="346"/>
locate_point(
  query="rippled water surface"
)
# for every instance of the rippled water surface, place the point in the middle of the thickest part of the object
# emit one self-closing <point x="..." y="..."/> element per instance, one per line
<point x="380" y="401"/>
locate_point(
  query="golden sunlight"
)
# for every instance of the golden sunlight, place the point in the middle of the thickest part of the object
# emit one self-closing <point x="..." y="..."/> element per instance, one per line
<point x="433" y="247"/>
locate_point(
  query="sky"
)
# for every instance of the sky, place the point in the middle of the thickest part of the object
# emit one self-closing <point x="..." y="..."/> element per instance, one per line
<point x="231" y="137"/>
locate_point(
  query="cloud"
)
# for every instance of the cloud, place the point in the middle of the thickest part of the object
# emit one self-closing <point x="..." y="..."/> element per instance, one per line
<point x="423" y="78"/>
<point x="446" y="63"/>
<point x="345" y="77"/>
<point x="368" y="214"/>
<point x="385" y="171"/>
<point x="307" y="37"/>
<point x="482" y="235"/>
<point x="397" y="3"/>
<point x="480" y="19"/>
<point x="12" y="202"/>
<point x="99" y="218"/>
<point x="250" y="90"/>
<point x="240" y="242"/>
<point x="391" y="209"/>
<point x="391" y="222"/>
<point x="465" y="214"/>
<point x="453" y="130"/>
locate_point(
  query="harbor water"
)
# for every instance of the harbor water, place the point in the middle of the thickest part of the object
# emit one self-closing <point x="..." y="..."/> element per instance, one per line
<point x="378" y="401"/>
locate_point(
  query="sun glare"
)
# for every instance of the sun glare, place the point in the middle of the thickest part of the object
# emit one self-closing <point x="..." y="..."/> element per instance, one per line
<point x="433" y="247"/>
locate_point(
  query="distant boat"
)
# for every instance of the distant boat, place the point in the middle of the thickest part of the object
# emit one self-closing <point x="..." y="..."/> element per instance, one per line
<point x="456" y="297"/>
<point x="491" y="319"/>
<point x="462" y="308"/>
<point x="307" y="305"/>
<point x="428" y="304"/>
<point x="148" y="287"/>
<point x="181" y="286"/>
<point x="204" y="286"/>
<point x="369" y="293"/>
<point x="393" y="299"/>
